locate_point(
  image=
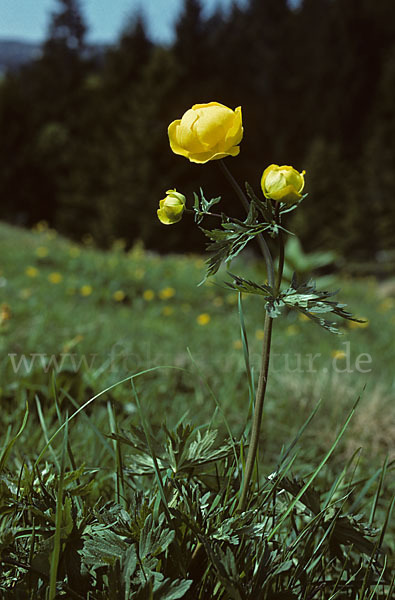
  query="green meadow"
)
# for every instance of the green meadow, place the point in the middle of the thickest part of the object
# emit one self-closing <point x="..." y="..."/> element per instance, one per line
<point x="95" y="318"/>
<point x="77" y="323"/>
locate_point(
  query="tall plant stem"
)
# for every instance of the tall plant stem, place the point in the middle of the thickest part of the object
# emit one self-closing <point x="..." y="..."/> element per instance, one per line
<point x="262" y="382"/>
<point x="258" y="411"/>
<point x="261" y="240"/>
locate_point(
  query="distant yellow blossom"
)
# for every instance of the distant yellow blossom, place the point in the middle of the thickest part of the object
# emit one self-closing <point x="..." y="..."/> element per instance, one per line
<point x="149" y="295"/>
<point x="203" y="319"/>
<point x="42" y="251"/>
<point x="5" y="313"/>
<point x="31" y="271"/>
<point x="40" y="226"/>
<point x="237" y="344"/>
<point x="119" y="295"/>
<point x="55" y="277"/>
<point x="338" y="354"/>
<point x="218" y="301"/>
<point x="86" y="290"/>
<point x="260" y="334"/>
<point x="167" y="311"/>
<point x="167" y="293"/>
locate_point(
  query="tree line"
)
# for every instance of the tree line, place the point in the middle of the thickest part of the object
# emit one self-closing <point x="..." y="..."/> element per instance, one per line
<point x="83" y="137"/>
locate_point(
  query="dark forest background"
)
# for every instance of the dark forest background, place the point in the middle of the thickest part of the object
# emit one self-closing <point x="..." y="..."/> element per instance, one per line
<point x="83" y="135"/>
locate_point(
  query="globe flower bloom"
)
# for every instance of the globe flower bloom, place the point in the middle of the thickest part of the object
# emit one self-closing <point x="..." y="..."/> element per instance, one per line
<point x="171" y="208"/>
<point x="207" y="132"/>
<point x="283" y="184"/>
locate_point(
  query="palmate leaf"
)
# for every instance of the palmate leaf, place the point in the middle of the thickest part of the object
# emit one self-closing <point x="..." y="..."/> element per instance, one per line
<point x="313" y="303"/>
<point x="304" y="298"/>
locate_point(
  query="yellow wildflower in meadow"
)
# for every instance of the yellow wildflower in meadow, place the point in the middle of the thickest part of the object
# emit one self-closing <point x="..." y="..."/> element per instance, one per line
<point x="338" y="354"/>
<point x="203" y="319"/>
<point x="237" y="344"/>
<point x="31" y="271"/>
<point x="166" y="293"/>
<point x="5" y="313"/>
<point x="86" y="290"/>
<point x="207" y="132"/>
<point x="119" y="295"/>
<point x="55" y="277"/>
<point x="42" y="251"/>
<point x="284" y="184"/>
<point x="167" y="311"/>
<point x="148" y="295"/>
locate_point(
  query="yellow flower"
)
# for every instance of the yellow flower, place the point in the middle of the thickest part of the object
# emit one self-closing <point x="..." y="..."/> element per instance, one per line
<point x="148" y="295"/>
<point x="338" y="354"/>
<point x="167" y="293"/>
<point x="167" y="311"/>
<point x="86" y="290"/>
<point x="237" y="344"/>
<point x="119" y="295"/>
<point x="283" y="184"/>
<point x="203" y="319"/>
<point x="42" y="251"/>
<point x="31" y="271"/>
<point x="5" y="313"/>
<point x="171" y="208"/>
<point x="40" y="226"/>
<point x="207" y="132"/>
<point x="55" y="277"/>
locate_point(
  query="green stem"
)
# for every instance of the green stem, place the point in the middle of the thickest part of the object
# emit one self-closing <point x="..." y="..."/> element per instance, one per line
<point x="258" y="411"/>
<point x="262" y="383"/>
<point x="261" y="240"/>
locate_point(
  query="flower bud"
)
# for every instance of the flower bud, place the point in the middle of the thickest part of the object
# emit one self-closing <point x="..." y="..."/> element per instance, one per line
<point x="171" y="208"/>
<point x="284" y="184"/>
<point x="207" y="132"/>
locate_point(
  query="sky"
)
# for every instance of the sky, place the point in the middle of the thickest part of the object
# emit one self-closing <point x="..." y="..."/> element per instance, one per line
<point x="28" y="19"/>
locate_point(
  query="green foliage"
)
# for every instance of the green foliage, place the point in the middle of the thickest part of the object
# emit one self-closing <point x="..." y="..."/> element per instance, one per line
<point x="154" y="515"/>
<point x="289" y="537"/>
